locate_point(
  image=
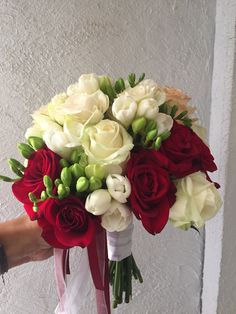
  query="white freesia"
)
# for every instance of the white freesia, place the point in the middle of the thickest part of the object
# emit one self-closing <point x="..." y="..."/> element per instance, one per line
<point x="107" y="143"/>
<point x="117" y="218"/>
<point x="98" y="202"/>
<point x="148" y="108"/>
<point x="87" y="108"/>
<point x="146" y="89"/>
<point x="55" y="108"/>
<point x="164" y="123"/>
<point x="57" y="141"/>
<point x="197" y="200"/>
<point x="88" y="84"/>
<point x="119" y="187"/>
<point x="124" y="109"/>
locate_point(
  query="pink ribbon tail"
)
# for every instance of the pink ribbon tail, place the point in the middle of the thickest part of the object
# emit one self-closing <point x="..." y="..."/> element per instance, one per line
<point x="98" y="261"/>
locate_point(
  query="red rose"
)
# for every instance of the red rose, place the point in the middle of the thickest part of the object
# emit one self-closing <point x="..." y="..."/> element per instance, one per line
<point x="42" y="162"/>
<point x="152" y="192"/>
<point x="66" y="223"/>
<point x="186" y="152"/>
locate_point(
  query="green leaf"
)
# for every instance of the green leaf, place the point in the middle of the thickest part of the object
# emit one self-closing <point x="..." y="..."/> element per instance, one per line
<point x="119" y="85"/>
<point x="16" y="164"/>
<point x="141" y="78"/>
<point x="181" y="115"/>
<point x="25" y="150"/>
<point x="174" y="109"/>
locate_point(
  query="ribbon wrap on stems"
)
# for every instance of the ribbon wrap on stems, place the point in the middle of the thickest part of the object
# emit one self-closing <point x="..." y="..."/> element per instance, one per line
<point x="94" y="262"/>
<point x="119" y="244"/>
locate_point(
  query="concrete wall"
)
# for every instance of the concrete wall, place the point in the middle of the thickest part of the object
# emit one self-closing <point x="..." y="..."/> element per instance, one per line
<point x="45" y="46"/>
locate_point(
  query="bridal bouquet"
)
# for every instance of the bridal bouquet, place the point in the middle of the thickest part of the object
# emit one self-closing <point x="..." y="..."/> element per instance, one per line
<point x="102" y="153"/>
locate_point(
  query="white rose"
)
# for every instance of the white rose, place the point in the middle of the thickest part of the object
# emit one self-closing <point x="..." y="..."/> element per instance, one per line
<point x="124" y="109"/>
<point x="146" y="89"/>
<point x="73" y="129"/>
<point x="87" y="108"/>
<point x="148" y="108"/>
<point x="34" y="130"/>
<point x="107" y="143"/>
<point x="117" y="218"/>
<point x="57" y="141"/>
<point x="197" y="200"/>
<point x="55" y="108"/>
<point x="88" y="84"/>
<point x="164" y="123"/>
<point x="119" y="187"/>
<point x="42" y="119"/>
<point x="98" y="202"/>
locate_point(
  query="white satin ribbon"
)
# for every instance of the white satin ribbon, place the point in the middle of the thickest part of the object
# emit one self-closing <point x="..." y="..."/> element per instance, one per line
<point x="119" y="244"/>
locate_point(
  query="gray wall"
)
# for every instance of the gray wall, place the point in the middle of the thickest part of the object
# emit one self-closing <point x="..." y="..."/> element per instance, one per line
<point x="45" y="46"/>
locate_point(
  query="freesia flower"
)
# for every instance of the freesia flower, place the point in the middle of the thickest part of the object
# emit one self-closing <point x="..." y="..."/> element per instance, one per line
<point x="117" y="218"/>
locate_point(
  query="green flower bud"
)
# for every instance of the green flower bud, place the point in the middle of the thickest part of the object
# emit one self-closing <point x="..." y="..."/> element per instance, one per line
<point x="119" y="85"/>
<point x="131" y="79"/>
<point x="36" y="142"/>
<point x="15" y="170"/>
<point x="138" y="125"/>
<point x="64" y="163"/>
<point x="77" y="170"/>
<point x="16" y="164"/>
<point x="44" y="195"/>
<point x="32" y="197"/>
<point x="95" y="183"/>
<point x="151" y="135"/>
<point x="25" y="150"/>
<point x="75" y="156"/>
<point x="82" y="184"/>
<point x="7" y="179"/>
<point x="83" y="160"/>
<point x="106" y="87"/>
<point x="164" y="136"/>
<point x="151" y="125"/>
<point x="35" y="208"/>
<point x="63" y="191"/>
<point x="94" y="170"/>
<point x="66" y="176"/>
<point x="47" y="181"/>
<point x="57" y="182"/>
<point x="158" y="142"/>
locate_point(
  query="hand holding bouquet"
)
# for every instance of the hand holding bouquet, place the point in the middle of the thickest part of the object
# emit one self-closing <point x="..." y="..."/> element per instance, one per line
<point x="103" y="152"/>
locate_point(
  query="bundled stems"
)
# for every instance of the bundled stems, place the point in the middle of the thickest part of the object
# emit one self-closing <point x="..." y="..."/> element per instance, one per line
<point x="121" y="273"/>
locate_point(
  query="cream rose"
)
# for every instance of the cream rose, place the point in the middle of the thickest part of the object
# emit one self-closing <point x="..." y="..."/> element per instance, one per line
<point x="87" y="108"/>
<point x="197" y="200"/>
<point x="107" y="143"/>
<point x="117" y="218"/>
<point x="88" y="84"/>
<point x="124" y="109"/>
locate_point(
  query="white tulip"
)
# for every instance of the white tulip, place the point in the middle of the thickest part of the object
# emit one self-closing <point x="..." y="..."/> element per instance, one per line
<point x="98" y="202"/>
<point x="164" y="123"/>
<point x="148" y="108"/>
<point x="197" y="200"/>
<point x="57" y="141"/>
<point x="119" y="187"/>
<point x="124" y="109"/>
<point x="117" y="218"/>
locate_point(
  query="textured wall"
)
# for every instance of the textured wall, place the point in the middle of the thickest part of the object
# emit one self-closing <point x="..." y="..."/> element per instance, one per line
<point x="45" y="46"/>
